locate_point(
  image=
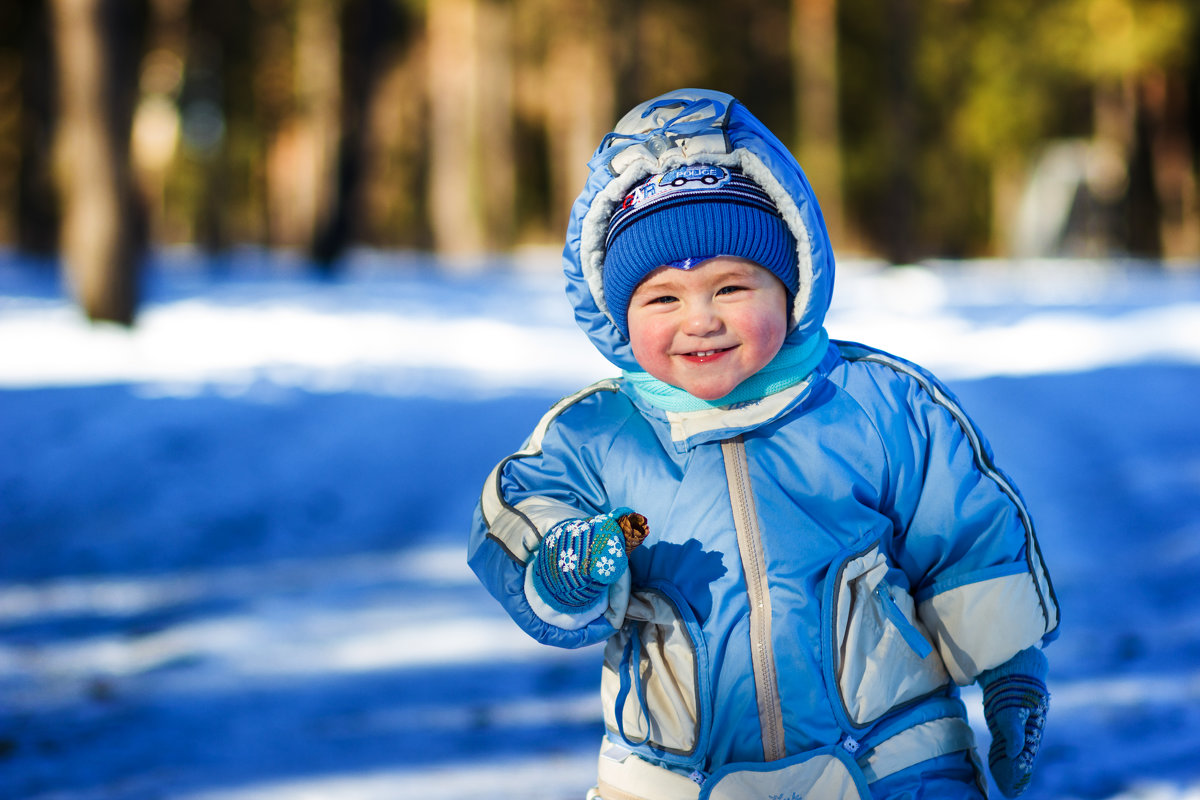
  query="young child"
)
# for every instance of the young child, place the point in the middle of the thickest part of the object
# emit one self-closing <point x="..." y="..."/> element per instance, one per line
<point x="831" y="550"/>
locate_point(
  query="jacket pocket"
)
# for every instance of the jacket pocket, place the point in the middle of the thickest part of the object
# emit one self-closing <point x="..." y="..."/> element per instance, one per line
<point x="882" y="656"/>
<point x="655" y="683"/>
<point x="827" y="772"/>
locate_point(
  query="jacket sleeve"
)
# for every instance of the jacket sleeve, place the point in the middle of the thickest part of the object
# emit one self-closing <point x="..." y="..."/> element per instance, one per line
<point x="554" y="477"/>
<point x="964" y="536"/>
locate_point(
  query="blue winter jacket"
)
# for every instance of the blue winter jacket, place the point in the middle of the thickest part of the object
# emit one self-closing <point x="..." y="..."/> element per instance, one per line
<point x="824" y="564"/>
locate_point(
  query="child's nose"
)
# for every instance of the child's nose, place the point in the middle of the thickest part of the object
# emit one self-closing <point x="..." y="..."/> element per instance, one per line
<point x="702" y="319"/>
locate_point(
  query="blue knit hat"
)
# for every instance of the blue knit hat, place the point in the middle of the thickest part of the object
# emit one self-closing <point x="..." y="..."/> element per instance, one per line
<point x="686" y="216"/>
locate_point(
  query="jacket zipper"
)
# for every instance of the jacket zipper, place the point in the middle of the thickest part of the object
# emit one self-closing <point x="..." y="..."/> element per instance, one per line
<point x="754" y="567"/>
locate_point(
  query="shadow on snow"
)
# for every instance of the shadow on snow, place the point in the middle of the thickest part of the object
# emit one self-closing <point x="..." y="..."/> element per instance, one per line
<point x="312" y="503"/>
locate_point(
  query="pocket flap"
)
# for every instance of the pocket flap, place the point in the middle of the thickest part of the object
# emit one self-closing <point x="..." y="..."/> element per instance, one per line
<point x="654" y="685"/>
<point x="882" y="655"/>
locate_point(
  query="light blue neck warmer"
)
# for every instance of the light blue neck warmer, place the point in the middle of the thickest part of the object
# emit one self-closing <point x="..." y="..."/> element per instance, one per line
<point x="792" y="364"/>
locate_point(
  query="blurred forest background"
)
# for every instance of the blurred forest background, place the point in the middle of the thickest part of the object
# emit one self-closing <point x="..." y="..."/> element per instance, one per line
<point x="929" y="128"/>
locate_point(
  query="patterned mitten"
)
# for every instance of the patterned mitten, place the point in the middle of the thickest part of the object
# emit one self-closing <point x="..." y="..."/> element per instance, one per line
<point x="1015" y="702"/>
<point x="579" y="558"/>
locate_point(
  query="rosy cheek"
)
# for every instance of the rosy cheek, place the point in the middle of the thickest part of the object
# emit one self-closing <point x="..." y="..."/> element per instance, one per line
<point x="770" y="335"/>
<point x="641" y="340"/>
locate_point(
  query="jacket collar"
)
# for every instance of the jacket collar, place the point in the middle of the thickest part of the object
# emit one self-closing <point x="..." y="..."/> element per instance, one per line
<point x="689" y="429"/>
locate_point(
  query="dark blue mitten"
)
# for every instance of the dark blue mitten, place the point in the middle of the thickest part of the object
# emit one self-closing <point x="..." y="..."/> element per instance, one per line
<point x="579" y="558"/>
<point x="1015" y="702"/>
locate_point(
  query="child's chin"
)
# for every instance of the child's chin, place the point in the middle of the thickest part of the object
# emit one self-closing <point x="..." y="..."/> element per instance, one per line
<point x="709" y="393"/>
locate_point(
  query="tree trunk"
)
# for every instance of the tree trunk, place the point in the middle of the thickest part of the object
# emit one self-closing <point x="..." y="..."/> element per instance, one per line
<point x="1144" y="205"/>
<point x="98" y="233"/>
<point x="37" y="206"/>
<point x="900" y="227"/>
<point x="472" y="182"/>
<point x="1162" y="101"/>
<point x="366" y="26"/>
<point x="814" y="58"/>
<point x="156" y="119"/>
<point x="497" y="150"/>
<point x="455" y="207"/>
<point x="318" y="73"/>
<point x="577" y="100"/>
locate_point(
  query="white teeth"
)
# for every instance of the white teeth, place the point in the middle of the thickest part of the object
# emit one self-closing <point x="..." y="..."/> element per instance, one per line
<point x="705" y="353"/>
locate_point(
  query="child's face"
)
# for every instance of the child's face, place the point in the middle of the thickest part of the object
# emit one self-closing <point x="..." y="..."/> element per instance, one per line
<point x="707" y="329"/>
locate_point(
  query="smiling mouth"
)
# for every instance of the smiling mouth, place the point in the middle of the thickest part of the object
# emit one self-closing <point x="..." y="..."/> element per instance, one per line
<point x="702" y="354"/>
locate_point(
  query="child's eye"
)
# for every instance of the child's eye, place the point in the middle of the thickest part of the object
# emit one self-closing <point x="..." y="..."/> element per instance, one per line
<point x="661" y="299"/>
<point x="730" y="289"/>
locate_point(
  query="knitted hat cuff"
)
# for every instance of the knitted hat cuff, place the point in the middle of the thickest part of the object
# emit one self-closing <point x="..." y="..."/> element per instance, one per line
<point x="686" y="216"/>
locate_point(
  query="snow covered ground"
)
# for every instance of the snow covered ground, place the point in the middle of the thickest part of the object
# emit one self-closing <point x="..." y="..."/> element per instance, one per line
<point x="232" y="539"/>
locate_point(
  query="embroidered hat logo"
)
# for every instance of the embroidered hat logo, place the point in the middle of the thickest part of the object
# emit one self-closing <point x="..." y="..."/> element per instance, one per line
<point x="705" y="176"/>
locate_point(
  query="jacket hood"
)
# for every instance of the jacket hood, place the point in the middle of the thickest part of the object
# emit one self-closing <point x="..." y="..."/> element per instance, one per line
<point x="691" y="126"/>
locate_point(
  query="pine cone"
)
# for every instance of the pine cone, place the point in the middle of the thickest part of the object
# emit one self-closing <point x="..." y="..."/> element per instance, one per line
<point x="635" y="528"/>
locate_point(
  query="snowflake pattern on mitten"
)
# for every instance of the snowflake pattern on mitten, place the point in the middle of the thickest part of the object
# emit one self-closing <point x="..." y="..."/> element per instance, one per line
<point x="578" y="560"/>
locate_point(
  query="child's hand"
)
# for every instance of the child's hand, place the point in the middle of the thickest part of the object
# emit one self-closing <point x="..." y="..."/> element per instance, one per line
<point x="1015" y="702"/>
<point x="579" y="558"/>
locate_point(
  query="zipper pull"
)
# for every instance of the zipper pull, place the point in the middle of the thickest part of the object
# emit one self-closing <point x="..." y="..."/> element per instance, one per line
<point x="908" y="631"/>
<point x="698" y="777"/>
<point x="850" y="744"/>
